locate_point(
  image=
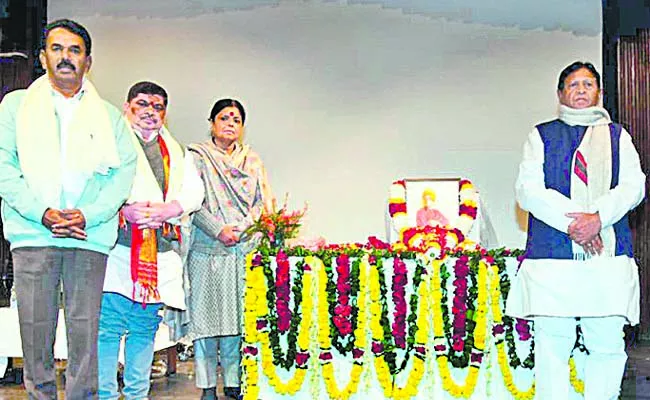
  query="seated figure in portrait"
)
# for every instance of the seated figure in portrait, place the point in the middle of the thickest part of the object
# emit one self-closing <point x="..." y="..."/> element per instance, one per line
<point x="429" y="215"/>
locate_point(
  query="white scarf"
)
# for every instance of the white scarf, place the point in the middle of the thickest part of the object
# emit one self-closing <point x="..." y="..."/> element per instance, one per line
<point x="596" y="148"/>
<point x="145" y="186"/>
<point x="90" y="143"/>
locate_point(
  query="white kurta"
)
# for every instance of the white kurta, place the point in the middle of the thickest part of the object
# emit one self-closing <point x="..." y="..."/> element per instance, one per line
<point x="170" y="266"/>
<point x="599" y="286"/>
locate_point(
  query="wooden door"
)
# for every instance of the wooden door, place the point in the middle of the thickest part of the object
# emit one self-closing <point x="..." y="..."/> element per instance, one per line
<point x="633" y="59"/>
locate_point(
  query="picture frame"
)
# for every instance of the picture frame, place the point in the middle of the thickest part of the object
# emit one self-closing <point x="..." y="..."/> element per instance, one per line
<point x="432" y="201"/>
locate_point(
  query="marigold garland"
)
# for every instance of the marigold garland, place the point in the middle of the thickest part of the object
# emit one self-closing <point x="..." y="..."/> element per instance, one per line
<point x="508" y="324"/>
<point x="271" y="322"/>
<point x="476" y="357"/>
<point x="341" y="295"/>
<point x="371" y="295"/>
<point x="577" y="383"/>
<point x="419" y="304"/>
<point x="263" y="331"/>
<point x="324" y="339"/>
<point x="385" y="339"/>
<point x="502" y="358"/>
<point x="254" y="286"/>
<point x="459" y="345"/>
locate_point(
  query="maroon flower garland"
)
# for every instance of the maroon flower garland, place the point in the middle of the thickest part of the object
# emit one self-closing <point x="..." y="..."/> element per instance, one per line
<point x="459" y="305"/>
<point x="343" y="310"/>
<point x="282" y="291"/>
<point x="399" y="300"/>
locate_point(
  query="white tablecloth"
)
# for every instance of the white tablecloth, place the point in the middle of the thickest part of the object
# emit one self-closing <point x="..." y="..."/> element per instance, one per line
<point x="490" y="384"/>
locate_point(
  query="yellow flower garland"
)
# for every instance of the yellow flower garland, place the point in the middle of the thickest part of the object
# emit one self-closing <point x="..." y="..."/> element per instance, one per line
<point x="295" y="383"/>
<point x="502" y="357"/>
<point x="421" y="336"/>
<point x="254" y="285"/>
<point x="430" y="296"/>
<point x="577" y="383"/>
<point x="324" y="339"/>
<point x="448" y="382"/>
<point x="383" y="374"/>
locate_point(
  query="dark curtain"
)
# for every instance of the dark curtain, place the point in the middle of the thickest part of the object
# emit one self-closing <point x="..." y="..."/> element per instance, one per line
<point x="21" y="24"/>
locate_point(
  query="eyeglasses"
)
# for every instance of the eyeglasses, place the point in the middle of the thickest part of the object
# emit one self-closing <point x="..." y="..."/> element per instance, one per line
<point x="156" y="106"/>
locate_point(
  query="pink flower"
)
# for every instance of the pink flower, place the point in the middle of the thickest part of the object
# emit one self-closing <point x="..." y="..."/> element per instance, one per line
<point x="344" y="326"/>
<point x="498" y="329"/>
<point x="376" y="243"/>
<point x="399" y="279"/>
<point x="343" y="310"/>
<point x="357" y="353"/>
<point x="377" y="347"/>
<point x="302" y="358"/>
<point x="251" y="350"/>
<point x="284" y="319"/>
<point x="257" y="260"/>
<point x="523" y="329"/>
<point x="459" y="345"/>
<point x="440" y="348"/>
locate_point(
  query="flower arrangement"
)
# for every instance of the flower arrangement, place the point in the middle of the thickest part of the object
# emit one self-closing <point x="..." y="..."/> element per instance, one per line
<point x="400" y="306"/>
<point x="498" y="331"/>
<point x="325" y="339"/>
<point x="468" y="199"/>
<point x="277" y="225"/>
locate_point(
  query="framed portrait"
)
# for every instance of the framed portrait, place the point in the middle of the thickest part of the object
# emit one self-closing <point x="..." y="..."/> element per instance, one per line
<point x="432" y="201"/>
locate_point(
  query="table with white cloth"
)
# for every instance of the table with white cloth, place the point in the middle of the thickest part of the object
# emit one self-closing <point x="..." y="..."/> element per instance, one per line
<point x="349" y="294"/>
<point x="11" y="347"/>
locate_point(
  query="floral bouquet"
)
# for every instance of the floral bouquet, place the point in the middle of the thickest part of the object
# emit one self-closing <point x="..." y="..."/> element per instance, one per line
<point x="276" y="225"/>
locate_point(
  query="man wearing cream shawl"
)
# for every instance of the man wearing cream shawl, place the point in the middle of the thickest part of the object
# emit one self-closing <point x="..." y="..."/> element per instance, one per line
<point x="66" y="166"/>
<point x="145" y="269"/>
<point x="579" y="178"/>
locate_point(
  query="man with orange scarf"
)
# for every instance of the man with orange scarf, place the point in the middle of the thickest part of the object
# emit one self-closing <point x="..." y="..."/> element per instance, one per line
<point x="145" y="269"/>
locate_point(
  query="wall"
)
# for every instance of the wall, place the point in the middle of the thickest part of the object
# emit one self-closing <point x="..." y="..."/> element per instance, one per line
<point x="343" y="99"/>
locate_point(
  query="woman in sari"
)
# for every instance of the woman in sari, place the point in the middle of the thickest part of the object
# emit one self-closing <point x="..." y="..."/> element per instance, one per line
<point x="237" y="191"/>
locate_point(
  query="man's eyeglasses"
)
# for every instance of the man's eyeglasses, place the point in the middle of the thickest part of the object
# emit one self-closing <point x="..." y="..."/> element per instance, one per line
<point x="156" y="106"/>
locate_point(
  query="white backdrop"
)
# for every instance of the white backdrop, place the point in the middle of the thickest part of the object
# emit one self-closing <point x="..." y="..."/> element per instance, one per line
<point x="343" y="99"/>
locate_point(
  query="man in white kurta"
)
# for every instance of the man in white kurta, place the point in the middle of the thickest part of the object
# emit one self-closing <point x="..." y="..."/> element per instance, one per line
<point x="145" y="270"/>
<point x="579" y="178"/>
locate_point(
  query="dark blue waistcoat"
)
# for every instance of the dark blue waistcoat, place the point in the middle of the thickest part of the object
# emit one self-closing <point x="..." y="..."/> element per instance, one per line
<point x="560" y="143"/>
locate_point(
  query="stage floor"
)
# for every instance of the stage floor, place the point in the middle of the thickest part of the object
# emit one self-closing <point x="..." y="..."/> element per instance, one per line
<point x="636" y="385"/>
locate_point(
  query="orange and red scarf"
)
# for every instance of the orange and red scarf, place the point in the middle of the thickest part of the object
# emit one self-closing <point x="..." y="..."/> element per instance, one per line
<point x="144" y="243"/>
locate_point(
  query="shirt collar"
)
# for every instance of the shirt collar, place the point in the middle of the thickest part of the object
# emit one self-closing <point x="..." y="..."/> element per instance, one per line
<point x="58" y="96"/>
<point x="139" y="134"/>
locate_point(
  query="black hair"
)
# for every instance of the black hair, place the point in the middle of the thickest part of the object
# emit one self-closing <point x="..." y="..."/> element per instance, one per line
<point x="70" y="26"/>
<point x="146" y="87"/>
<point x="573" y="68"/>
<point x="223" y="103"/>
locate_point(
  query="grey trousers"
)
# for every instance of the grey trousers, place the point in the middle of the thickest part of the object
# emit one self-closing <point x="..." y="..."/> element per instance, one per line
<point x="38" y="274"/>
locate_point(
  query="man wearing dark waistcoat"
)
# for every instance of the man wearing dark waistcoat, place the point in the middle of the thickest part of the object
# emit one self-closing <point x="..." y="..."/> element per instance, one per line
<point x="579" y="178"/>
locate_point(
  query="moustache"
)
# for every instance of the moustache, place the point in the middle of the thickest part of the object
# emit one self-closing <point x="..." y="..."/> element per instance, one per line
<point x="65" y="63"/>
